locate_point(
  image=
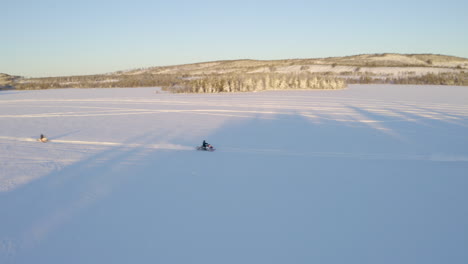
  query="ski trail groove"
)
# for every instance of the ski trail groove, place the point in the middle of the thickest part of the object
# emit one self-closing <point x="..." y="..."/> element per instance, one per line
<point x="166" y="146"/>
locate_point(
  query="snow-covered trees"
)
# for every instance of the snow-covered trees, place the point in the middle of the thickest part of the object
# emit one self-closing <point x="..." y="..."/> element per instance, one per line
<point x="259" y="82"/>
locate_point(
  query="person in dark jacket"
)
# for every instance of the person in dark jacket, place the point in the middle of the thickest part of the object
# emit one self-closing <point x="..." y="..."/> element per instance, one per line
<point x="204" y="145"/>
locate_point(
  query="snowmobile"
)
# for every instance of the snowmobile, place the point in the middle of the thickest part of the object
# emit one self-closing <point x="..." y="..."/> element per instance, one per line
<point x="42" y="139"/>
<point x="208" y="147"/>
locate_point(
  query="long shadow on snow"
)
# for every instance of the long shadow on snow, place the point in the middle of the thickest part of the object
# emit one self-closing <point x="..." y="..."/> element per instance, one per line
<point x="44" y="205"/>
<point x="273" y="189"/>
<point x="280" y="188"/>
<point x="423" y="135"/>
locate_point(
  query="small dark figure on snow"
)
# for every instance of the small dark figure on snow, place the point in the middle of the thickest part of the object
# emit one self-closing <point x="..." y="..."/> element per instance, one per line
<point x="205" y="146"/>
<point x="42" y="138"/>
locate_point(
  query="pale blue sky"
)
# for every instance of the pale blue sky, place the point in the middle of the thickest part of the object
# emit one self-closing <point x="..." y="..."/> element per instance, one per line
<point x="52" y="38"/>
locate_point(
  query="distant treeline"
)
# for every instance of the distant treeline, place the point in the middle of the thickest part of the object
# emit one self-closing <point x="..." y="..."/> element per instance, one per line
<point x="257" y="82"/>
<point x="455" y="79"/>
<point x="459" y="79"/>
<point x="234" y="82"/>
<point x="191" y="84"/>
<point x="100" y="81"/>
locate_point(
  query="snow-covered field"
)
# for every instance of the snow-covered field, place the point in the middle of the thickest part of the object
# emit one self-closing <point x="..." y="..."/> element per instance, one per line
<point x="370" y="174"/>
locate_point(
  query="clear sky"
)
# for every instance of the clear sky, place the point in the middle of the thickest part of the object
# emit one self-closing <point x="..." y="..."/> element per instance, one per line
<point x="60" y="37"/>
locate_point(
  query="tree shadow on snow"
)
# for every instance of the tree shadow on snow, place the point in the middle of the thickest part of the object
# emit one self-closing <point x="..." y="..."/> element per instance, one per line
<point x="38" y="210"/>
<point x="272" y="186"/>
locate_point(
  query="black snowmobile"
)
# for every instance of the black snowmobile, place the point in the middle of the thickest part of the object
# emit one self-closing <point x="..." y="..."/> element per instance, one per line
<point x="206" y="147"/>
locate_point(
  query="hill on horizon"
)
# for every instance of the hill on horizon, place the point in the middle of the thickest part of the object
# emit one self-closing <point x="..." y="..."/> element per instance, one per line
<point x="364" y="68"/>
<point x="363" y="60"/>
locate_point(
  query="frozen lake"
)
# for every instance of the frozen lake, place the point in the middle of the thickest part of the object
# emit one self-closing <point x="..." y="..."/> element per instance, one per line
<point x="370" y="174"/>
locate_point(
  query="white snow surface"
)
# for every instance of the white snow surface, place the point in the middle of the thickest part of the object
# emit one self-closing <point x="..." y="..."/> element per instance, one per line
<point x="369" y="174"/>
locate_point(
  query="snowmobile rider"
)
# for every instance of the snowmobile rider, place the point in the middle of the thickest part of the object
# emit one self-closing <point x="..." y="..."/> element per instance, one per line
<point x="42" y="138"/>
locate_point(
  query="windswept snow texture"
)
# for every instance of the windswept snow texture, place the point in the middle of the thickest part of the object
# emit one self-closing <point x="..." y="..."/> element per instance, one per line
<point x="370" y="174"/>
